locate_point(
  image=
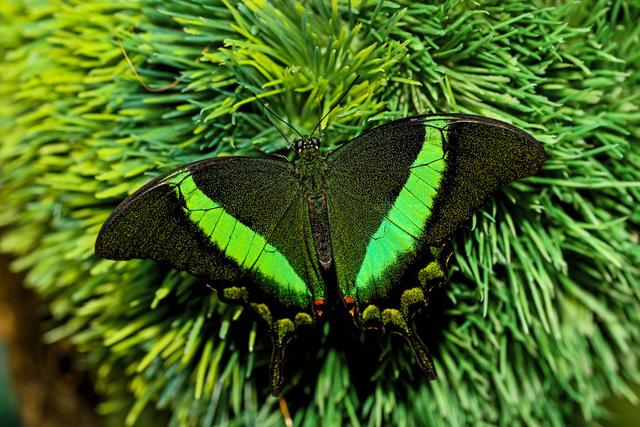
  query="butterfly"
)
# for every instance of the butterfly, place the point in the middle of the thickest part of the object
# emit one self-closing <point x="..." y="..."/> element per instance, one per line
<point x="370" y="219"/>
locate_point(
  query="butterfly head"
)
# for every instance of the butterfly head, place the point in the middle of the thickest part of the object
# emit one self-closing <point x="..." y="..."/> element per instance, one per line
<point x="310" y="143"/>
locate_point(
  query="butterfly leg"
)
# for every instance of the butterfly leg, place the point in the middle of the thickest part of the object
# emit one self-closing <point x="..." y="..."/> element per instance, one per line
<point x="422" y="353"/>
<point x="395" y="315"/>
<point x="433" y="274"/>
<point x="282" y="332"/>
<point x="400" y="321"/>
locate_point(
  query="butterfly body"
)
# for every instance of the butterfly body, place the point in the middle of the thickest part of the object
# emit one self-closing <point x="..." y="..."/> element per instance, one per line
<point x="311" y="170"/>
<point x="367" y="222"/>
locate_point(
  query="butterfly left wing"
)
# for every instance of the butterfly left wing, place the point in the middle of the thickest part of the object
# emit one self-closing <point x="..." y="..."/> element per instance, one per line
<point x="397" y="193"/>
<point x="239" y="223"/>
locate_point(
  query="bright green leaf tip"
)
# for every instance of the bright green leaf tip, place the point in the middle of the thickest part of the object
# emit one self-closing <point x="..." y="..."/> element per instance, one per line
<point x="541" y="318"/>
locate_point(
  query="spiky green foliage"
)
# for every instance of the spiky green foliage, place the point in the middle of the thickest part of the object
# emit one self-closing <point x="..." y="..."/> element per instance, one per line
<point x="540" y="320"/>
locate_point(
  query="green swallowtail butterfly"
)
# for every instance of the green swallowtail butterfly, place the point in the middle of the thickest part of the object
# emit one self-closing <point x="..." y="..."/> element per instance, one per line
<point x="369" y="220"/>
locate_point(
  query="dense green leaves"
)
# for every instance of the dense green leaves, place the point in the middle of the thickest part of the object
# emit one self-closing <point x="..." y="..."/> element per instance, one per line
<point x="540" y="320"/>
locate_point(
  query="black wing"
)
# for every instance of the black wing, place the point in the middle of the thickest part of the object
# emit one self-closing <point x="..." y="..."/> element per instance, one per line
<point x="239" y="223"/>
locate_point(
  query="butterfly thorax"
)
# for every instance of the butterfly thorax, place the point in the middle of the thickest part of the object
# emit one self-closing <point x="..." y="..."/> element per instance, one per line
<point x="311" y="169"/>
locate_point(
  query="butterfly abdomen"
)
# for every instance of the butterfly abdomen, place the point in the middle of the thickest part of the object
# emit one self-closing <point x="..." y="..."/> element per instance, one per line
<point x="319" y="220"/>
<point x="311" y="169"/>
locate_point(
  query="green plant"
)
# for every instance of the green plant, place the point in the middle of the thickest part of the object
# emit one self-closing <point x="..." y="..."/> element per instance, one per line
<point x="540" y="319"/>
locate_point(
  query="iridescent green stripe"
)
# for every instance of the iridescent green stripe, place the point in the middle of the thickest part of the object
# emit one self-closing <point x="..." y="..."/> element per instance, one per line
<point x="405" y="222"/>
<point x="238" y="242"/>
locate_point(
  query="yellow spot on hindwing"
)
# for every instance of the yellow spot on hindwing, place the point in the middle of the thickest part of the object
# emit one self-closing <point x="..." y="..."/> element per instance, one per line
<point x="263" y="311"/>
<point x="393" y="318"/>
<point x="410" y="298"/>
<point x="303" y="319"/>
<point x="431" y="273"/>
<point x="371" y="314"/>
<point x="283" y="329"/>
<point x="236" y="294"/>
<point x="245" y="247"/>
<point x="403" y="225"/>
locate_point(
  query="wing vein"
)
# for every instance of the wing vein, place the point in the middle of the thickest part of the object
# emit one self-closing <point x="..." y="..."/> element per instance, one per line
<point x="420" y="178"/>
<point x="372" y="207"/>
<point x="266" y="239"/>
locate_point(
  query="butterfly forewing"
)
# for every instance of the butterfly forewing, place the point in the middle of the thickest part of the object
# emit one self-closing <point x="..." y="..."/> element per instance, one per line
<point x="377" y="203"/>
<point x="230" y="221"/>
<point x="241" y="224"/>
<point x="482" y="155"/>
<point x="400" y="188"/>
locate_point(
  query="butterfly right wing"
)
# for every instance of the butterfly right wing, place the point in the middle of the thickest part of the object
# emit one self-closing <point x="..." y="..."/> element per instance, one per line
<point x="239" y="223"/>
<point x="398" y="192"/>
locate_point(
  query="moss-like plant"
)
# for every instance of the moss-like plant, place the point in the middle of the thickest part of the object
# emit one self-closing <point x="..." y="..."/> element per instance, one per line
<point x="541" y="317"/>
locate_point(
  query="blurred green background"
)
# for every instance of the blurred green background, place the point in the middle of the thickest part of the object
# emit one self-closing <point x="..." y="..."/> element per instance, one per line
<point x="8" y="416"/>
<point x="623" y="413"/>
<point x="540" y="319"/>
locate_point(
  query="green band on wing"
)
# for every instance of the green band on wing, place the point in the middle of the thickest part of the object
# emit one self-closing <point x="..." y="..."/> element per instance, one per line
<point x="237" y="241"/>
<point x="401" y="229"/>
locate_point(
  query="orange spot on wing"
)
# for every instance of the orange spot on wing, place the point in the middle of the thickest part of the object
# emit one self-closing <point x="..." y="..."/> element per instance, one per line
<point x="351" y="305"/>
<point x="318" y="303"/>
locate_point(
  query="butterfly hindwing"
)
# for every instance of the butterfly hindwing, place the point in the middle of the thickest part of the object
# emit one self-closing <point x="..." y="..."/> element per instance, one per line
<point x="241" y="224"/>
<point x="397" y="193"/>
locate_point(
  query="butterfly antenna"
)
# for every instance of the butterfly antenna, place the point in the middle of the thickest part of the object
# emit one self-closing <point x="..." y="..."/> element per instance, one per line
<point x="285" y="137"/>
<point x="335" y="104"/>
<point x="319" y="114"/>
<point x="277" y="117"/>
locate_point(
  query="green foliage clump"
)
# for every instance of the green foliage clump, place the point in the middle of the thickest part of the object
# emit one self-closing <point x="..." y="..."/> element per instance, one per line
<point x="540" y="320"/>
